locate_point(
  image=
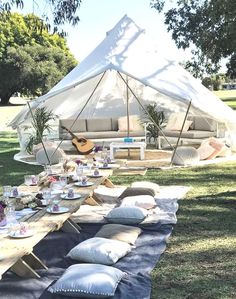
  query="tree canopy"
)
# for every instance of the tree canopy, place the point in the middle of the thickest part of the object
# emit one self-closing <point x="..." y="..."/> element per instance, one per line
<point x="209" y="25"/>
<point x="62" y="11"/>
<point x="32" y="60"/>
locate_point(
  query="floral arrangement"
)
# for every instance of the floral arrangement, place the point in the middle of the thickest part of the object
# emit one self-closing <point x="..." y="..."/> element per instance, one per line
<point x="2" y="214"/>
<point x="97" y="148"/>
<point x="2" y="206"/>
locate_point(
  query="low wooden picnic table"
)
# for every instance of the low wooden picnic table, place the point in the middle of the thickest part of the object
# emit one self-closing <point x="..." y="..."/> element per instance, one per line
<point x="17" y="254"/>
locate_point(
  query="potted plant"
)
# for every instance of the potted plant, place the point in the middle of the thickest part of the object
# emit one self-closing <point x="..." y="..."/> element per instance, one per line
<point x="154" y="120"/>
<point x="40" y="124"/>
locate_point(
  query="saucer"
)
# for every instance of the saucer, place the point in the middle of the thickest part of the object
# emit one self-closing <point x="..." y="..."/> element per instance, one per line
<point x="76" y="196"/>
<point x="95" y="176"/>
<point x="20" y="236"/>
<point x="60" y="211"/>
<point x="79" y="184"/>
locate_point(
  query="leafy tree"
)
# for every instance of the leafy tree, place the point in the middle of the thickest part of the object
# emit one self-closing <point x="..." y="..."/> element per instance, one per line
<point x="62" y="11"/>
<point x="32" y="70"/>
<point x="209" y="25"/>
<point x="31" y="59"/>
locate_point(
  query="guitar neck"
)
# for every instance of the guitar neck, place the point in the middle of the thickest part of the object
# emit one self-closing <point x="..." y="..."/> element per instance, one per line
<point x="69" y="131"/>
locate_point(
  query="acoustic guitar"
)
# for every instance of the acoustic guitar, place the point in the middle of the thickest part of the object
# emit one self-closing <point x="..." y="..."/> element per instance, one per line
<point x="83" y="146"/>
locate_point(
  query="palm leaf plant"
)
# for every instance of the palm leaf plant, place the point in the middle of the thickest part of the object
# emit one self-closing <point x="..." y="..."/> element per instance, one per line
<point x="154" y="120"/>
<point x="40" y="124"/>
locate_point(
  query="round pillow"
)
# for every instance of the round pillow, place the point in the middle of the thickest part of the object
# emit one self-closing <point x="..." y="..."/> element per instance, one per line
<point x="185" y="155"/>
<point x="53" y="155"/>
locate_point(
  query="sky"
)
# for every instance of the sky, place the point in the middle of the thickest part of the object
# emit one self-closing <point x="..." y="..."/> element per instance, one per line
<point x="99" y="16"/>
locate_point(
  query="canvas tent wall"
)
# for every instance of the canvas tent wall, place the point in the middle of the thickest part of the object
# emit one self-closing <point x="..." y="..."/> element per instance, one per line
<point x="126" y="53"/>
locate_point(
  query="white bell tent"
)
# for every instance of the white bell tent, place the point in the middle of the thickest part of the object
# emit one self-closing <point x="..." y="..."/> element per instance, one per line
<point x="97" y="87"/>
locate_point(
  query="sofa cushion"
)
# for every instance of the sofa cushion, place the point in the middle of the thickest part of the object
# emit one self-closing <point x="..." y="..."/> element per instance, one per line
<point x="78" y="126"/>
<point x="99" y="124"/>
<point x="109" y="134"/>
<point x="204" y="124"/>
<point x="134" y="123"/>
<point x="194" y="134"/>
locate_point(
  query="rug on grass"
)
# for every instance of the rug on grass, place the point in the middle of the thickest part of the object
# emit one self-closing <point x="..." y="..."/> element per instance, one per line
<point x="138" y="264"/>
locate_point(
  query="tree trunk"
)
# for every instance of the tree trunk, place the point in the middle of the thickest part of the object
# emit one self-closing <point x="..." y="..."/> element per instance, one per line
<point x="5" y="98"/>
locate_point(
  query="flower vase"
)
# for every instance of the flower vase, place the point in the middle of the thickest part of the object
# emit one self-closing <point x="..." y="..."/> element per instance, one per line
<point x="3" y="219"/>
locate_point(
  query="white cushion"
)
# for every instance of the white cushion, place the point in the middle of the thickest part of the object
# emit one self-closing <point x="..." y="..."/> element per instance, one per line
<point x="145" y="184"/>
<point x="99" y="251"/>
<point x="88" y="281"/>
<point x="126" y="215"/>
<point x="142" y="201"/>
<point x="108" y="195"/>
<point x="54" y="155"/>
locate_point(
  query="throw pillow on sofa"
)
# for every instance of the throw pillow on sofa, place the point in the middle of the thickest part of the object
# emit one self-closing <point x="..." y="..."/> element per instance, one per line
<point x="134" y="123"/>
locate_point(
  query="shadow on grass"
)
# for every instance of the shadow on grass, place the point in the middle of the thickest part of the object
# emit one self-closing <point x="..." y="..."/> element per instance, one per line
<point x="12" y="172"/>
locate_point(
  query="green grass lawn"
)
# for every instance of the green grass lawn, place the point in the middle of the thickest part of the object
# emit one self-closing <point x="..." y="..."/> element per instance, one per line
<point x="228" y="97"/>
<point x="200" y="259"/>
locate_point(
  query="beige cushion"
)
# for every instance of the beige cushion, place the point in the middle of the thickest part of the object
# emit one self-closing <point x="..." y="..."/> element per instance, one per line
<point x="194" y="134"/>
<point x="78" y="126"/>
<point x="204" y="124"/>
<point x="175" y="122"/>
<point x="99" y="124"/>
<point x="218" y="147"/>
<point x="146" y="184"/>
<point x="134" y="123"/>
<point x="205" y="150"/>
<point x="132" y="191"/>
<point x="120" y="232"/>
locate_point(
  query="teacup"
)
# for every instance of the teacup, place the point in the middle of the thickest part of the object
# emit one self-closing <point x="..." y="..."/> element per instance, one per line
<point x="84" y="180"/>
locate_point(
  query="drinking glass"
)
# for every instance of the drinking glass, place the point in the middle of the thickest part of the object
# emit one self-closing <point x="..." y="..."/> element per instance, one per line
<point x="63" y="182"/>
<point x="28" y="180"/>
<point x="10" y="213"/>
<point x="47" y="196"/>
<point x="79" y="172"/>
<point x="6" y="191"/>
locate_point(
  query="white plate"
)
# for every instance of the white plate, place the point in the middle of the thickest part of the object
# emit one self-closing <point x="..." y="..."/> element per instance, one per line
<point x="20" y="236"/>
<point x="20" y="194"/>
<point x="65" y="196"/>
<point x="95" y="176"/>
<point x="79" y="184"/>
<point x="60" y="211"/>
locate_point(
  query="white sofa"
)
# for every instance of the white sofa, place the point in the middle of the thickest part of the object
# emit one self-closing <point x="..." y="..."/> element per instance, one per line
<point x="200" y="129"/>
<point x="98" y="130"/>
